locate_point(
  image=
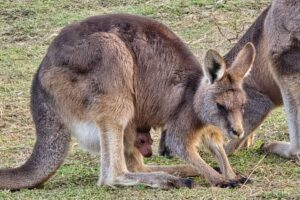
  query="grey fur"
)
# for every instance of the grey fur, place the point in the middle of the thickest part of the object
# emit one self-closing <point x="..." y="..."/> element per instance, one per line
<point x="275" y="75"/>
<point x="117" y="73"/>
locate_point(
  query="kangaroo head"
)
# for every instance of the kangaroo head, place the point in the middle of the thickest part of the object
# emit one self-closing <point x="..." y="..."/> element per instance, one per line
<point x="220" y="98"/>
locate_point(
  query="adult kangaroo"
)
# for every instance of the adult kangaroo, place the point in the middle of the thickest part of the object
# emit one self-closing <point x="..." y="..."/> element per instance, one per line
<point x="109" y="75"/>
<point x="275" y="76"/>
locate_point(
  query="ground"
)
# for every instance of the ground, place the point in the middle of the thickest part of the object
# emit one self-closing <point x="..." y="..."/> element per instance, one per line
<point x="28" y="27"/>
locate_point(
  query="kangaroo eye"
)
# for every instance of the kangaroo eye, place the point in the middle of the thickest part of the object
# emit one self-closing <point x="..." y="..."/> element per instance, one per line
<point x="142" y="141"/>
<point x="222" y="108"/>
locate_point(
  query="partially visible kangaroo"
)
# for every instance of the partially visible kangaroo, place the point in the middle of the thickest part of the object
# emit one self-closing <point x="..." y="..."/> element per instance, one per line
<point x="112" y="74"/>
<point x="275" y="75"/>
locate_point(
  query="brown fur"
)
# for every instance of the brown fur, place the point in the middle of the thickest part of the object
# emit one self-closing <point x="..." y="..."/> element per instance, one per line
<point x="104" y="77"/>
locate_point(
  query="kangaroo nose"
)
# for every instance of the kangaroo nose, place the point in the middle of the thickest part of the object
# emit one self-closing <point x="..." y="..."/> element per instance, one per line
<point x="238" y="132"/>
<point x="149" y="154"/>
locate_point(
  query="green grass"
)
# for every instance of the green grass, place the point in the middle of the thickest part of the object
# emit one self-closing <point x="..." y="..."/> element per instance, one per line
<point x="28" y="27"/>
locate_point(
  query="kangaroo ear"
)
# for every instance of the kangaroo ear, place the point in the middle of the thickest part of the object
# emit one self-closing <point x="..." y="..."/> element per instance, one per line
<point x="243" y="62"/>
<point x="214" y="66"/>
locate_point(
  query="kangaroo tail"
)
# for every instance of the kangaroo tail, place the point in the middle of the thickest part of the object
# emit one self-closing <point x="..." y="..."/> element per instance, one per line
<point x="51" y="147"/>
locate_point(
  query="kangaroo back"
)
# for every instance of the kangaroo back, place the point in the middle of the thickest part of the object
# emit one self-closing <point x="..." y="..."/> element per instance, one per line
<point x="50" y="148"/>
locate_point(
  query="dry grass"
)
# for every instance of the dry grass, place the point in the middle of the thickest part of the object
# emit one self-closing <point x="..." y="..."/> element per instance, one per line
<point x="27" y="28"/>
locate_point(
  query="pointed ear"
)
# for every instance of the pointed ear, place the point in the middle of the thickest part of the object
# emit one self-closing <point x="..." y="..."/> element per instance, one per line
<point x="214" y="66"/>
<point x="243" y="62"/>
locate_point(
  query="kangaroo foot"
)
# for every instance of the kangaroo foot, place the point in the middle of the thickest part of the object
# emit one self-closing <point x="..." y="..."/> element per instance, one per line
<point x="283" y="149"/>
<point x="153" y="179"/>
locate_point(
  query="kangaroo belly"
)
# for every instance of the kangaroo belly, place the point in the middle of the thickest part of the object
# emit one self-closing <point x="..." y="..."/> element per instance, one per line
<point x="87" y="135"/>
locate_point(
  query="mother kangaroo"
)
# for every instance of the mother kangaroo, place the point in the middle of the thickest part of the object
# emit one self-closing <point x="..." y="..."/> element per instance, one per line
<point x="111" y="74"/>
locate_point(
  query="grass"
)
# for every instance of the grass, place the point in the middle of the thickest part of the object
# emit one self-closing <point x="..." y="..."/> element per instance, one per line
<point x="28" y="27"/>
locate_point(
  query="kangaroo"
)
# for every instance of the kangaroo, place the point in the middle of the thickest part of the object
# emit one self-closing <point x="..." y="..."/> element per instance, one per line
<point x="275" y="75"/>
<point x="109" y="75"/>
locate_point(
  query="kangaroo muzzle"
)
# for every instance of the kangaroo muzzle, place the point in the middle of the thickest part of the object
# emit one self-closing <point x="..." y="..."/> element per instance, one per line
<point x="236" y="129"/>
<point x="236" y="132"/>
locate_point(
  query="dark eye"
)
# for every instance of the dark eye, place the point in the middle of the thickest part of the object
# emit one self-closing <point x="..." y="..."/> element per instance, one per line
<point x="222" y="108"/>
<point x="142" y="141"/>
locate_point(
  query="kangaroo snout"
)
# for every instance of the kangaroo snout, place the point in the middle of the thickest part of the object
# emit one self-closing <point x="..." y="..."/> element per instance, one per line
<point x="236" y="128"/>
<point x="236" y="132"/>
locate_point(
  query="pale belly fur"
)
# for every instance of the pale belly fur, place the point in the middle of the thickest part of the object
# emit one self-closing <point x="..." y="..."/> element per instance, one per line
<point x="87" y="135"/>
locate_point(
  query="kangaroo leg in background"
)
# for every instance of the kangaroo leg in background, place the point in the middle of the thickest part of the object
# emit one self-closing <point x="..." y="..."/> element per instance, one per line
<point x="163" y="150"/>
<point x="291" y="105"/>
<point x="285" y="149"/>
<point x="289" y="85"/>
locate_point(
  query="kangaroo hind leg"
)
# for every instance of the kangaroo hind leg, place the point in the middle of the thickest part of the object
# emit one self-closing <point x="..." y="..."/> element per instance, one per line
<point x="286" y="68"/>
<point x="113" y="125"/>
<point x="291" y="100"/>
